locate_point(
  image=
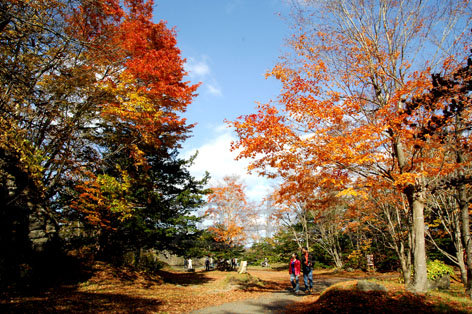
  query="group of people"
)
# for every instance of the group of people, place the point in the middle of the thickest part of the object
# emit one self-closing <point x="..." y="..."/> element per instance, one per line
<point x="303" y="265"/>
<point x="222" y="264"/>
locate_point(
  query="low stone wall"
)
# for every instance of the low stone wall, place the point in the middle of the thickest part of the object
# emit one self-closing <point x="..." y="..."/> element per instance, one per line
<point x="171" y="259"/>
<point x="175" y="260"/>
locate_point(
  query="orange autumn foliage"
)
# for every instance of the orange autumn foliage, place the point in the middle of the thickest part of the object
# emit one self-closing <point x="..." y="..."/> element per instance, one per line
<point x="140" y="74"/>
<point x="342" y="106"/>
<point x="139" y="68"/>
<point x="230" y="211"/>
<point x="104" y="200"/>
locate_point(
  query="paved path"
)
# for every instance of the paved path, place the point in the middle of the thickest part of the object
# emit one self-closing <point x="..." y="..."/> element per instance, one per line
<point x="271" y="303"/>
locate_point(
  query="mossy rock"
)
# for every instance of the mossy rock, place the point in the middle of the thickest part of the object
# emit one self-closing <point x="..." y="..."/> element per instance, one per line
<point x="245" y="280"/>
<point x="443" y="283"/>
<point x="364" y="285"/>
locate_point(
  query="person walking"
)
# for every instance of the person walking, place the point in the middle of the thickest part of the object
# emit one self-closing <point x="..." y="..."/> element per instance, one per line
<point x="189" y="265"/>
<point x="307" y="268"/>
<point x="207" y="263"/>
<point x="294" y="271"/>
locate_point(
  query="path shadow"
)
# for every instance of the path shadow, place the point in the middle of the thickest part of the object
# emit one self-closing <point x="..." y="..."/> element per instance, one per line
<point x="68" y="300"/>
<point x="282" y="287"/>
<point x="280" y="300"/>
<point x="275" y="302"/>
<point x="184" y="278"/>
<point x="264" y="286"/>
<point x="321" y="285"/>
<point x="318" y="285"/>
<point x="279" y="267"/>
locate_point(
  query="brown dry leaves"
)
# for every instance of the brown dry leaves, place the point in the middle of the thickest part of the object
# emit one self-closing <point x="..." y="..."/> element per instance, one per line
<point x="123" y="290"/>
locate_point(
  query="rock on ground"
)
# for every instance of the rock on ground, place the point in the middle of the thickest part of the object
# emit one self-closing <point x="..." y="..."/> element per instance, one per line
<point x="364" y="285"/>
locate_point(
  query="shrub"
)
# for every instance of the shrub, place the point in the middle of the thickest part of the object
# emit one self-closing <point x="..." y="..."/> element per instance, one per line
<point x="320" y="265"/>
<point x="437" y="269"/>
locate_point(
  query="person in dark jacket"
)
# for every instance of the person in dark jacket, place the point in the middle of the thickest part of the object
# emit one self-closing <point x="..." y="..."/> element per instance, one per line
<point x="207" y="263"/>
<point x="307" y="268"/>
<point x="294" y="269"/>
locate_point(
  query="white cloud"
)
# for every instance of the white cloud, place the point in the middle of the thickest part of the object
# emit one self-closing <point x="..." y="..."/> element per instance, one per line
<point x="214" y="90"/>
<point x="199" y="70"/>
<point x="217" y="158"/>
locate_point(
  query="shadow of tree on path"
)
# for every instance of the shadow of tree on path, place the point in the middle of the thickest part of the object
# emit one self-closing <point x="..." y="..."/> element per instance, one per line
<point x="184" y="279"/>
<point x="263" y="286"/>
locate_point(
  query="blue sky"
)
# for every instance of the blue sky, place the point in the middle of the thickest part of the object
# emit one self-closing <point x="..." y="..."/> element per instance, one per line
<point x="229" y="46"/>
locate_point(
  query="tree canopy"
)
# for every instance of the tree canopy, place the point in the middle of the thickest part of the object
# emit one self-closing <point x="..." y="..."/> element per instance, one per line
<point x="92" y="96"/>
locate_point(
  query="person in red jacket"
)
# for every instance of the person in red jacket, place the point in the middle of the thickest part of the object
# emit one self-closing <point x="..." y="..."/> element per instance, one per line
<point x="294" y="271"/>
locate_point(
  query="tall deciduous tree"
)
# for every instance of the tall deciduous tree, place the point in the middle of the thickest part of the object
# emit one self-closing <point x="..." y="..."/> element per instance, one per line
<point x="449" y="124"/>
<point x="355" y="63"/>
<point x="230" y="210"/>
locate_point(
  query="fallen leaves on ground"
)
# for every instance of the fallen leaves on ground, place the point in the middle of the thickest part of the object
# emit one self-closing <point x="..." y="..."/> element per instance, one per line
<point x="346" y="298"/>
<point x="124" y="290"/>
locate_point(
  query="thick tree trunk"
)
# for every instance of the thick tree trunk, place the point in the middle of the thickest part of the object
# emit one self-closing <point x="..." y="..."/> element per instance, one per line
<point x="459" y="249"/>
<point x="464" y="207"/>
<point x="416" y="200"/>
<point x="462" y="268"/>
<point x="419" y="283"/>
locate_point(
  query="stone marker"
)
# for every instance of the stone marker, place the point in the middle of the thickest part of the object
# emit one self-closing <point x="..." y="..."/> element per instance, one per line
<point x="243" y="267"/>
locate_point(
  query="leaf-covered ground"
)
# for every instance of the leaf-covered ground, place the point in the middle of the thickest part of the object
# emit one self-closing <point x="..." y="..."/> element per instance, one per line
<point x="122" y="290"/>
<point x="346" y="298"/>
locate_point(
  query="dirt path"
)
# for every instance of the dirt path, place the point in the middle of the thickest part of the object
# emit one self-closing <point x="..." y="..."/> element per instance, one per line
<point x="271" y="303"/>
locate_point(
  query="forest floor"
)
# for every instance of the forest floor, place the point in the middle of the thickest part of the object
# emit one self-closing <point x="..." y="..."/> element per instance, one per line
<point x="123" y="290"/>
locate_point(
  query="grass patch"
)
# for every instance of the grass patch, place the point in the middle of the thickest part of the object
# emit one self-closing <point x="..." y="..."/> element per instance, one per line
<point x="244" y="281"/>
